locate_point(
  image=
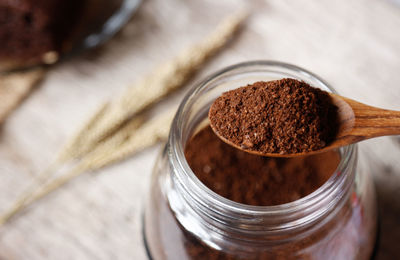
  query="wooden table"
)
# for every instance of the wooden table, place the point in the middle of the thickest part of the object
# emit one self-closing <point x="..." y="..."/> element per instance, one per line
<point x="354" y="45"/>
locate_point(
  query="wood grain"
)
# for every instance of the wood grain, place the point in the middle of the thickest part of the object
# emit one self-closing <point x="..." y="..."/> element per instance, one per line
<point x="359" y="122"/>
<point x="351" y="44"/>
<point x="368" y="122"/>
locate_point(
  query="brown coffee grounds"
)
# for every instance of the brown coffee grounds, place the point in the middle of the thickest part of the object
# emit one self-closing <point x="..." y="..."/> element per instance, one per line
<point x="252" y="179"/>
<point x="284" y="116"/>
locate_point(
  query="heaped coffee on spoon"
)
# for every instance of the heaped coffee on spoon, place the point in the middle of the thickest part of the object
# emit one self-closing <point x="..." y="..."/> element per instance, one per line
<point x="284" y="116"/>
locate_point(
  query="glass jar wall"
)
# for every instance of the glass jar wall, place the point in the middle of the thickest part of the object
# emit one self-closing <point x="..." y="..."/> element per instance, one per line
<point x="186" y="220"/>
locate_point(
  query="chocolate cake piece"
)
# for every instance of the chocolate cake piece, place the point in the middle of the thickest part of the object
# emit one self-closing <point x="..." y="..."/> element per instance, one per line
<point x="31" y="28"/>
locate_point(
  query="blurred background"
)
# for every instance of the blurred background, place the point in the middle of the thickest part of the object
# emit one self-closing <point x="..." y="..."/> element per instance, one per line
<point x="354" y="45"/>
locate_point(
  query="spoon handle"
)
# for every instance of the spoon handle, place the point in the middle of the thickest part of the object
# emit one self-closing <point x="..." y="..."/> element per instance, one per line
<point x="373" y="122"/>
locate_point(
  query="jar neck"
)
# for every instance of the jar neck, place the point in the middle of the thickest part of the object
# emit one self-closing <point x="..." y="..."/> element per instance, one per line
<point x="212" y="213"/>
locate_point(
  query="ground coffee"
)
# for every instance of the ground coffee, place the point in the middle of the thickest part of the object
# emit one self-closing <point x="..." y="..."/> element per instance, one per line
<point x="252" y="179"/>
<point x="282" y="116"/>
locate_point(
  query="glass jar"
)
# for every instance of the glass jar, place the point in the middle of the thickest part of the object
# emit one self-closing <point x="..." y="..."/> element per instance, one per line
<point x="186" y="220"/>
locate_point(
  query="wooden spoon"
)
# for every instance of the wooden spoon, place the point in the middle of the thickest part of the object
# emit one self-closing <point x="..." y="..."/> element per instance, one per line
<point x="357" y="122"/>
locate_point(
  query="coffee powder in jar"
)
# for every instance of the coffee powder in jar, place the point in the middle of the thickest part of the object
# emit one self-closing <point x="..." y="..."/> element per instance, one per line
<point x="252" y="179"/>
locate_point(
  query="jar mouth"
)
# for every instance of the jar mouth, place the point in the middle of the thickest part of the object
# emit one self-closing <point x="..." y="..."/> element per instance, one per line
<point x="211" y="202"/>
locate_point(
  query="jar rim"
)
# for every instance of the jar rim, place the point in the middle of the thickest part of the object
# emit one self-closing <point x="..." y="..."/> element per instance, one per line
<point x="213" y="201"/>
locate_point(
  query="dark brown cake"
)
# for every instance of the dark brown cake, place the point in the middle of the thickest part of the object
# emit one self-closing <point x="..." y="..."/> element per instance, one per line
<point x="31" y="28"/>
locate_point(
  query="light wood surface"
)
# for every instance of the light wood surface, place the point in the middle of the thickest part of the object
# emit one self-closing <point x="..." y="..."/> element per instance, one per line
<point x="354" y="45"/>
<point x="14" y="88"/>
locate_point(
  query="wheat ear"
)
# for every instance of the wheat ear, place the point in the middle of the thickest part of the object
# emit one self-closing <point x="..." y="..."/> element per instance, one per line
<point x="124" y="144"/>
<point x="161" y="82"/>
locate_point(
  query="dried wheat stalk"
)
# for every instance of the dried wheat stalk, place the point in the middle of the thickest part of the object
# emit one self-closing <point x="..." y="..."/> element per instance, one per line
<point x="161" y="82"/>
<point x="14" y="87"/>
<point x="126" y="142"/>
